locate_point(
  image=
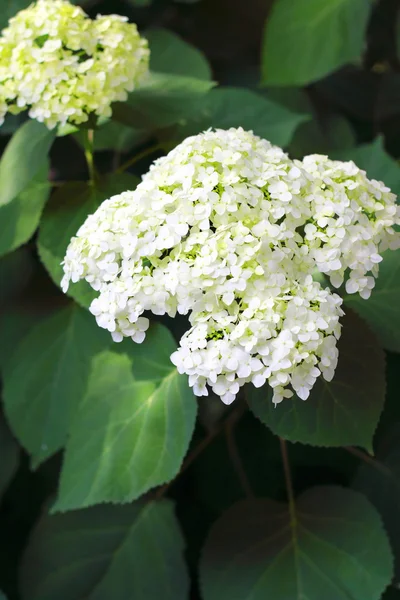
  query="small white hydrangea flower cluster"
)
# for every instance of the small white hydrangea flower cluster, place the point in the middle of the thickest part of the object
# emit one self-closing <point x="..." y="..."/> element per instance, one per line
<point x="63" y="66"/>
<point x="226" y="228"/>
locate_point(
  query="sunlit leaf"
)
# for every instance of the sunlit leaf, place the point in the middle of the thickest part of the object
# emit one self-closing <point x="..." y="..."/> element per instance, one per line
<point x="24" y="156"/>
<point x="140" y="413"/>
<point x="307" y="39"/>
<point x="20" y="218"/>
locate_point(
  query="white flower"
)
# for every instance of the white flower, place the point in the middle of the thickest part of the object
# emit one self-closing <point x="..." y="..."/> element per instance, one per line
<point x="226" y="228"/>
<point x="62" y="66"/>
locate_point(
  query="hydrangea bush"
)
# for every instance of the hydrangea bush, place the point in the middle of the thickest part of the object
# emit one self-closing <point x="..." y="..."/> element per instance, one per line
<point x="168" y="243"/>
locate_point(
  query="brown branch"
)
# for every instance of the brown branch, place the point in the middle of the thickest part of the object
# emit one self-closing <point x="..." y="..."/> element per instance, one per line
<point x="235" y="457"/>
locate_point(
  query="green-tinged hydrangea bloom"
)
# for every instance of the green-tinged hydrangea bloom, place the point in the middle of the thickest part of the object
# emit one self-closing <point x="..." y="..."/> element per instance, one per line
<point x="63" y="66"/>
<point x="228" y="229"/>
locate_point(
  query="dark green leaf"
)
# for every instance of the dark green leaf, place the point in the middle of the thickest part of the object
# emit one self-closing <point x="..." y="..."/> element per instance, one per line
<point x="170" y="54"/>
<point x="237" y="107"/>
<point x="391" y="594"/>
<point x="46" y="378"/>
<point x="381" y="485"/>
<point x="63" y="216"/>
<point x="10" y="8"/>
<point x="381" y="310"/>
<point x="141" y="416"/>
<point x="20" y="218"/>
<point x="322" y="136"/>
<point x="16" y="270"/>
<point x="376" y="162"/>
<point x="164" y="100"/>
<point x="24" y="155"/>
<point x="107" y="553"/>
<point x="8" y="457"/>
<point x="307" y="39"/>
<point x="2" y="596"/>
<point x="332" y="547"/>
<point x="344" y="412"/>
<point x="115" y="136"/>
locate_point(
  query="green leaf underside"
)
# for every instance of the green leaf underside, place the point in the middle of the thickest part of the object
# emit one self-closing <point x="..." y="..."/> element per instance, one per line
<point x="65" y="213"/>
<point x="237" y="107"/>
<point x="24" y="156"/>
<point x="381" y="310"/>
<point x="46" y="378"/>
<point x="171" y="54"/>
<point x="107" y="553"/>
<point x="20" y="218"/>
<point x="140" y="414"/>
<point x="8" y="456"/>
<point x="162" y="101"/>
<point x="307" y="39"/>
<point x="382" y="488"/>
<point x="334" y="549"/>
<point x="344" y="412"/>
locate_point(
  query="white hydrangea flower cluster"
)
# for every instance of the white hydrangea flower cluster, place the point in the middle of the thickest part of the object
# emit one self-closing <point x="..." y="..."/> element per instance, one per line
<point x="226" y="228"/>
<point x="63" y="66"/>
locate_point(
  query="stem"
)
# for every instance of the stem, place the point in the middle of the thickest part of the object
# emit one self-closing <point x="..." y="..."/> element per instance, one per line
<point x="201" y="446"/>
<point x="139" y="156"/>
<point x="372" y="462"/>
<point x="288" y="480"/>
<point x="89" y="155"/>
<point x="235" y="457"/>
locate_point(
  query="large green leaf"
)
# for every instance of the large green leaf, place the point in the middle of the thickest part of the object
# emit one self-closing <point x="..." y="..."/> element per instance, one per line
<point x="381" y="485"/>
<point x="170" y="54"/>
<point x="381" y="310"/>
<point x="24" y="155"/>
<point x="63" y="216"/>
<point x="141" y="414"/>
<point x="332" y="546"/>
<point x="307" y="39"/>
<point x="237" y="107"/>
<point x="20" y="218"/>
<point x="344" y="412"/>
<point x="8" y="455"/>
<point x="46" y="378"/>
<point x="162" y="101"/>
<point x="374" y="159"/>
<point x="2" y="596"/>
<point x="107" y="553"/>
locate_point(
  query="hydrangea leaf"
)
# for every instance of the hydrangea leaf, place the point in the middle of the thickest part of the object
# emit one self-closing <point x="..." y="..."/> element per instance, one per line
<point x="162" y="101"/>
<point x="112" y="135"/>
<point x="332" y="545"/>
<point x="374" y="159"/>
<point x="344" y="412"/>
<point x="140" y="414"/>
<point x="20" y="217"/>
<point x="106" y="552"/>
<point x="2" y="596"/>
<point x="381" y="310"/>
<point x="64" y="214"/>
<point x="237" y="107"/>
<point x="46" y="378"/>
<point x="9" y="454"/>
<point x="307" y="39"/>
<point x="381" y="484"/>
<point x="171" y="54"/>
<point x="25" y="154"/>
<point x="10" y="9"/>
